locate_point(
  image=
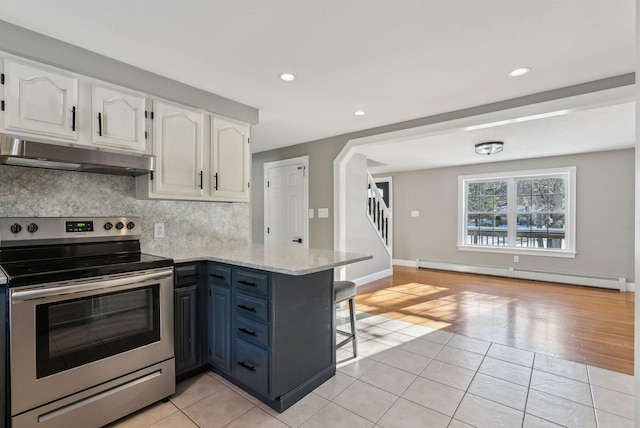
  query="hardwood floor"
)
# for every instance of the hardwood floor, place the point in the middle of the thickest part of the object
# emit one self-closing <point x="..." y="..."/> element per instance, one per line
<point x="581" y="324"/>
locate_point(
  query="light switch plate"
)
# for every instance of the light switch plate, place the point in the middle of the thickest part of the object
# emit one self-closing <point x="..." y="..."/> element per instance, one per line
<point x="415" y="213"/>
<point x="323" y="212"/>
<point x="311" y="213"/>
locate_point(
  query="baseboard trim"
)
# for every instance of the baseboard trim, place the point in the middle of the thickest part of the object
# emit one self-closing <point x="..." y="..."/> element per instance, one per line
<point x="373" y="277"/>
<point x="614" y="283"/>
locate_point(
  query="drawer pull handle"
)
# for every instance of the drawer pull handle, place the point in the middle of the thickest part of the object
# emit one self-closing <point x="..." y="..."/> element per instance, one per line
<point x="252" y="284"/>
<point x="216" y="276"/>
<point x="246" y="366"/>
<point x="247" y="308"/>
<point x="245" y="331"/>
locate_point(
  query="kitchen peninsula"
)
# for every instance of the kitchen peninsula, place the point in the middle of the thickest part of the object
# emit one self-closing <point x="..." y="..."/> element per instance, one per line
<point x="269" y="319"/>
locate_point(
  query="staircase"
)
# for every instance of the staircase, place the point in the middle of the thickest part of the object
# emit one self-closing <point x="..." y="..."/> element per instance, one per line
<point x="378" y="214"/>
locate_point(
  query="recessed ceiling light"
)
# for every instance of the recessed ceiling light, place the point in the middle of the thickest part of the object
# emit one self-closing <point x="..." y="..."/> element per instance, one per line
<point x="287" y="77"/>
<point x="519" y="72"/>
<point x="359" y="113"/>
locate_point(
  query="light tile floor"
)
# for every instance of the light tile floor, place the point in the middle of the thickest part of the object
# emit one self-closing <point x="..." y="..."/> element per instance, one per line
<point x="408" y="375"/>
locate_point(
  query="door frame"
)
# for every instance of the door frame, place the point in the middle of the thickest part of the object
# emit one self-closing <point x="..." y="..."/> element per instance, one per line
<point x="304" y="160"/>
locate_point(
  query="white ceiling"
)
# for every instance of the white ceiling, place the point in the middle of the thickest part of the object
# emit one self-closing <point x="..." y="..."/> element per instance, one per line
<point x="395" y="60"/>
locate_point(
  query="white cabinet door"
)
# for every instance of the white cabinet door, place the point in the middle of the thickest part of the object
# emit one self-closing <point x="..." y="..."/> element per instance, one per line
<point x="40" y="101"/>
<point x="177" y="145"/>
<point x="230" y="160"/>
<point x="118" y="118"/>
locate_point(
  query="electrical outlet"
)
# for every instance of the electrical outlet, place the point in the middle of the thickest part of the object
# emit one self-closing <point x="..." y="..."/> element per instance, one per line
<point x="516" y="259"/>
<point x="158" y="230"/>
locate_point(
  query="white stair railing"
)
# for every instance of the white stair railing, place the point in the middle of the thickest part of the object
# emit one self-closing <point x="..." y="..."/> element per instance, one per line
<point x="379" y="214"/>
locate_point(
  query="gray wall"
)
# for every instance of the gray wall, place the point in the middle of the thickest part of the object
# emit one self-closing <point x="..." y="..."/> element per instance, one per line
<point x="604" y="215"/>
<point x="321" y="155"/>
<point x="30" y="192"/>
<point x="361" y="237"/>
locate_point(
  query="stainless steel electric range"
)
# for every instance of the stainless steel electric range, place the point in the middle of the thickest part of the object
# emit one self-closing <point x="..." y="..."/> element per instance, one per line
<point x="88" y="321"/>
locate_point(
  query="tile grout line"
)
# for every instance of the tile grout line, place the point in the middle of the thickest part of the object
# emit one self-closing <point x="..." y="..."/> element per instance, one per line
<point x="526" y="402"/>
<point x="593" y="397"/>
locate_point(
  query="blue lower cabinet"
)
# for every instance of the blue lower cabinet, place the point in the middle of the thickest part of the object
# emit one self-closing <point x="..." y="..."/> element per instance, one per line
<point x="271" y="334"/>
<point x="220" y="327"/>
<point x="189" y="319"/>
<point x="187" y="350"/>
<point x="252" y="331"/>
<point x="251" y="306"/>
<point x="252" y="366"/>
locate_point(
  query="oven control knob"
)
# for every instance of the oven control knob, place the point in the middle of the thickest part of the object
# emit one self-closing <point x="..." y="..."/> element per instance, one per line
<point x="131" y="225"/>
<point x="32" y="228"/>
<point x="108" y="226"/>
<point x="119" y="225"/>
<point x="15" y="228"/>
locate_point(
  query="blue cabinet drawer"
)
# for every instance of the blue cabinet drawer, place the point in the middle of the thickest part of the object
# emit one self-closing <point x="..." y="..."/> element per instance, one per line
<point x="255" y="282"/>
<point x="252" y="307"/>
<point x="252" y="366"/>
<point x="220" y="274"/>
<point x="252" y="331"/>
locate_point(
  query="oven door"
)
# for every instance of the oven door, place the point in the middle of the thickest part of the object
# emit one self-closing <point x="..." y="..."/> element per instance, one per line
<point x="67" y="337"/>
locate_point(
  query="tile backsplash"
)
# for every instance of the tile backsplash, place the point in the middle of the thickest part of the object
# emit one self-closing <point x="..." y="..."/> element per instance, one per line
<point x="34" y="192"/>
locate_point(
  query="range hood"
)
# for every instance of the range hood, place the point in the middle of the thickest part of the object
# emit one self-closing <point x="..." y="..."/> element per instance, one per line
<point x="41" y="154"/>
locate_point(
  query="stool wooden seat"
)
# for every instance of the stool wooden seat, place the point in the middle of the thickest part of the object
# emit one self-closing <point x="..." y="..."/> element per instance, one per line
<point x="346" y="290"/>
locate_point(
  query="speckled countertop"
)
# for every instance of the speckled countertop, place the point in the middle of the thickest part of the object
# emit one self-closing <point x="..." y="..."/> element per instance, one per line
<point x="287" y="260"/>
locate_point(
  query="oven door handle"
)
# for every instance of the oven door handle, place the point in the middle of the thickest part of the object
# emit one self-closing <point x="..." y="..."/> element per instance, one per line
<point x="130" y="281"/>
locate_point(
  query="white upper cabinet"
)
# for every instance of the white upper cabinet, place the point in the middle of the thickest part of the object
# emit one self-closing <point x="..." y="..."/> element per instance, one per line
<point x="118" y="118"/>
<point x="199" y="156"/>
<point x="230" y="160"/>
<point x="40" y="101"/>
<point x="177" y="145"/>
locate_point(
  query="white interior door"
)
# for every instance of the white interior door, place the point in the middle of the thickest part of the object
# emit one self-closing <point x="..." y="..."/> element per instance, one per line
<point x="286" y="202"/>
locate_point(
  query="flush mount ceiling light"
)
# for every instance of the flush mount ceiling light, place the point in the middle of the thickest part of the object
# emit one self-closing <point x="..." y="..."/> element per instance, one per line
<point x="519" y="72"/>
<point x="287" y="77"/>
<point x="489" y="148"/>
<point x="359" y="113"/>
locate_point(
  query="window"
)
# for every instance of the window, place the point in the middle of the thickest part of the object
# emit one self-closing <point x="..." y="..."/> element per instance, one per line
<point x="524" y="212"/>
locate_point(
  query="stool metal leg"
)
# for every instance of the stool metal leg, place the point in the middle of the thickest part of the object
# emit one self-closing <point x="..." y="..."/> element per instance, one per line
<point x="352" y="335"/>
<point x="352" y="318"/>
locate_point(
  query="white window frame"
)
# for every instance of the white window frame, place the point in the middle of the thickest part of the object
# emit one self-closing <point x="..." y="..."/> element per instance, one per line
<point x="569" y="173"/>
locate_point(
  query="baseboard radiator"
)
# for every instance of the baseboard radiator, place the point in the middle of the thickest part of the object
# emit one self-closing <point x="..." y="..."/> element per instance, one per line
<point x="535" y="275"/>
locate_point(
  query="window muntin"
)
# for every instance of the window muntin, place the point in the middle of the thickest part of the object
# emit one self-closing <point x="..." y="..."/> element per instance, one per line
<point x="519" y="212"/>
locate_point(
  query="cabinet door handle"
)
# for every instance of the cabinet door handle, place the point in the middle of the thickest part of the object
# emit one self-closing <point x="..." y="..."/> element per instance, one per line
<point x="100" y="124"/>
<point x="245" y="331"/>
<point x="201" y="179"/>
<point x="246" y="366"/>
<point x="216" y="177"/>
<point x="247" y="308"/>
<point x="299" y="240"/>
<point x="73" y="118"/>
<point x="216" y="276"/>
<point x="251" y="284"/>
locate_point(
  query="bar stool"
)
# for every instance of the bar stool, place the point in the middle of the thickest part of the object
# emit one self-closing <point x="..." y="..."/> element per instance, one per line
<point x="346" y="290"/>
